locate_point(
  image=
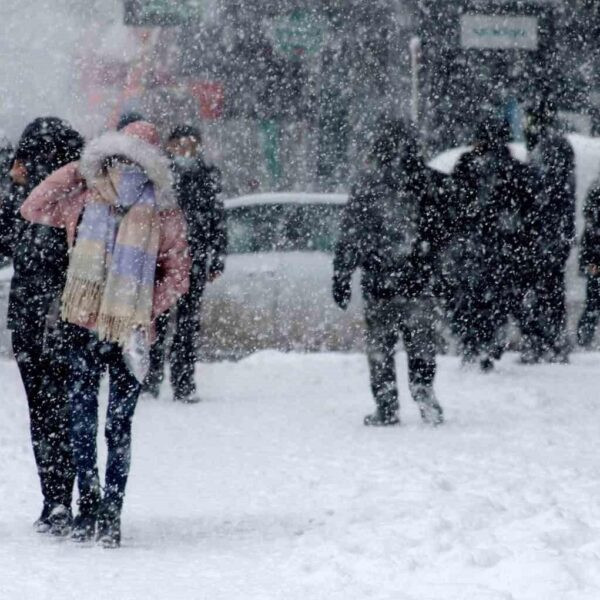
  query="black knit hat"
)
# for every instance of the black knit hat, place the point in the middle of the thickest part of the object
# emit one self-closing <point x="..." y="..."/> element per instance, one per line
<point x="185" y="131"/>
<point x="492" y="131"/>
<point x="129" y="117"/>
<point x="49" y="140"/>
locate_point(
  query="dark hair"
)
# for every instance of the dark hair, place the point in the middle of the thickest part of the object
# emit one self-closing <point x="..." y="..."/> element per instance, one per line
<point x="129" y="117"/>
<point x="185" y="131"/>
<point x="114" y="159"/>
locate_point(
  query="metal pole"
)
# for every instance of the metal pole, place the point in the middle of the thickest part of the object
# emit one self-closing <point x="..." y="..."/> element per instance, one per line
<point x="415" y="59"/>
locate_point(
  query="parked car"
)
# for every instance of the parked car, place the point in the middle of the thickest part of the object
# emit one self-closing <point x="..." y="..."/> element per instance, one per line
<point x="276" y="289"/>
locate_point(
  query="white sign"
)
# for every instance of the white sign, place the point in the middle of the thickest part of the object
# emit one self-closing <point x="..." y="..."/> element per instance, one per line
<point x="499" y="32"/>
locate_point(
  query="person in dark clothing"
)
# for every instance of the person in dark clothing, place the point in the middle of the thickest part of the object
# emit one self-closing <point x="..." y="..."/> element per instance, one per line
<point x="197" y="186"/>
<point x="589" y="265"/>
<point x="554" y="158"/>
<point x="493" y="242"/>
<point x="39" y="255"/>
<point x="391" y="230"/>
<point x="6" y="161"/>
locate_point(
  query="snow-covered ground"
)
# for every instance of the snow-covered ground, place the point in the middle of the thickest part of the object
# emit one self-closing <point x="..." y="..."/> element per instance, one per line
<point x="273" y="489"/>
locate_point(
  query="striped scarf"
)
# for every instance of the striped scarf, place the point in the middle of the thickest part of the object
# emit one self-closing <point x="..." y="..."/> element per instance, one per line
<point x="110" y="280"/>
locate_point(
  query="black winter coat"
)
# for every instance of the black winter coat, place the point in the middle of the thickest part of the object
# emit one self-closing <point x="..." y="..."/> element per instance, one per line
<point x="40" y="261"/>
<point x="393" y="228"/>
<point x="590" y="241"/>
<point x="555" y="160"/>
<point x="496" y="225"/>
<point x="39" y="253"/>
<point x="197" y="191"/>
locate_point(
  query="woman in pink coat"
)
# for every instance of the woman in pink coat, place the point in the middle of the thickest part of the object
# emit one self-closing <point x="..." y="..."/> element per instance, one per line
<point x="128" y="263"/>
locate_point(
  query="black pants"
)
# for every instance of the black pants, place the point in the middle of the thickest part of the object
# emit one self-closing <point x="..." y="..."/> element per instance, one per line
<point x="88" y="359"/>
<point x="386" y="320"/>
<point x="480" y="312"/>
<point x="182" y="357"/>
<point x="549" y="313"/>
<point x="591" y="312"/>
<point x="43" y="372"/>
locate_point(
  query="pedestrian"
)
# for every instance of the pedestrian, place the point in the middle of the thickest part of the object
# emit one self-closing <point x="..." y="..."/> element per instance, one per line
<point x="39" y="255"/>
<point x="128" y="264"/>
<point x="493" y="243"/>
<point x="6" y="161"/>
<point x="589" y="265"/>
<point x="389" y="230"/>
<point x="197" y="186"/>
<point x="553" y="156"/>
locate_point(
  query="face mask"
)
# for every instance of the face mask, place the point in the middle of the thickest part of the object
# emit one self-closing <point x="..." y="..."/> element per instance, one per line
<point x="184" y="162"/>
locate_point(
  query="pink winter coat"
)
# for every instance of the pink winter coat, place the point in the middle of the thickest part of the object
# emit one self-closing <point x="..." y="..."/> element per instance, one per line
<point x="60" y="199"/>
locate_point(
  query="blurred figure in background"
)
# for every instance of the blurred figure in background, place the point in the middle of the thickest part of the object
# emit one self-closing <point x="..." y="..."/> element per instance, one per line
<point x="589" y="265"/>
<point x="6" y="160"/>
<point x="197" y="186"/>
<point x="552" y="155"/>
<point x="390" y="228"/>
<point x="39" y="255"/>
<point x="494" y="242"/>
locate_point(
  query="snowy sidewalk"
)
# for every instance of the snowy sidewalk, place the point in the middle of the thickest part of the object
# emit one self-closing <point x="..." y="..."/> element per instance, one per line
<point x="273" y="489"/>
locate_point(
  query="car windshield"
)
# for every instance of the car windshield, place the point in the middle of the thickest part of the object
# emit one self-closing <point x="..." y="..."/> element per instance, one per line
<point x="283" y="227"/>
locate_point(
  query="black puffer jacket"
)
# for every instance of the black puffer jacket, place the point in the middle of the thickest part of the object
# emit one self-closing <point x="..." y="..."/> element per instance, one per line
<point x="39" y="253"/>
<point x="555" y="160"/>
<point x="590" y="241"/>
<point x="197" y="190"/>
<point x="392" y="227"/>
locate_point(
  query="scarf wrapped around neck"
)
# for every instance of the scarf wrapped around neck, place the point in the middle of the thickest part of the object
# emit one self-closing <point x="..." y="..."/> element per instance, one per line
<point x="110" y="279"/>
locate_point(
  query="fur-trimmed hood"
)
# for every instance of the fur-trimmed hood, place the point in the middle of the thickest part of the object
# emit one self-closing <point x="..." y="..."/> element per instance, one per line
<point x="139" y="151"/>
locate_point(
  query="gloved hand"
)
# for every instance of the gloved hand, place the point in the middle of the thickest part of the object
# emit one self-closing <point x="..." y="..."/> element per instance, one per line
<point x="342" y="292"/>
<point x="216" y="269"/>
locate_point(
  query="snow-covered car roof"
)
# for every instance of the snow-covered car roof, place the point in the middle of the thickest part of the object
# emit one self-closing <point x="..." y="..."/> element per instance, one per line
<point x="446" y="161"/>
<point x="286" y="198"/>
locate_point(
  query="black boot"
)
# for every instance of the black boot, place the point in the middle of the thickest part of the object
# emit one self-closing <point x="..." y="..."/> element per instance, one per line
<point x="109" y="526"/>
<point x="84" y="524"/>
<point x="486" y="365"/>
<point x="42" y="524"/>
<point x="84" y="528"/>
<point x="586" y="330"/>
<point x="383" y="417"/>
<point x="150" y="388"/>
<point x="192" y="398"/>
<point x="429" y="407"/>
<point x="61" y="520"/>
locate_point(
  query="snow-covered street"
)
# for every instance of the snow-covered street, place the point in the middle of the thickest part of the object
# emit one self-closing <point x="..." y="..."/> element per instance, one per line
<point x="273" y="489"/>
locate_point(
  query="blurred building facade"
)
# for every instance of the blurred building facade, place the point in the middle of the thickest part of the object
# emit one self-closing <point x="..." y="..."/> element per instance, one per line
<point x="290" y="93"/>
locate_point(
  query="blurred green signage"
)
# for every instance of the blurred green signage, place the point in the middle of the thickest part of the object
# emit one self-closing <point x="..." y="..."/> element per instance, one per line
<point x="499" y="32"/>
<point x="297" y="33"/>
<point x="151" y="13"/>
